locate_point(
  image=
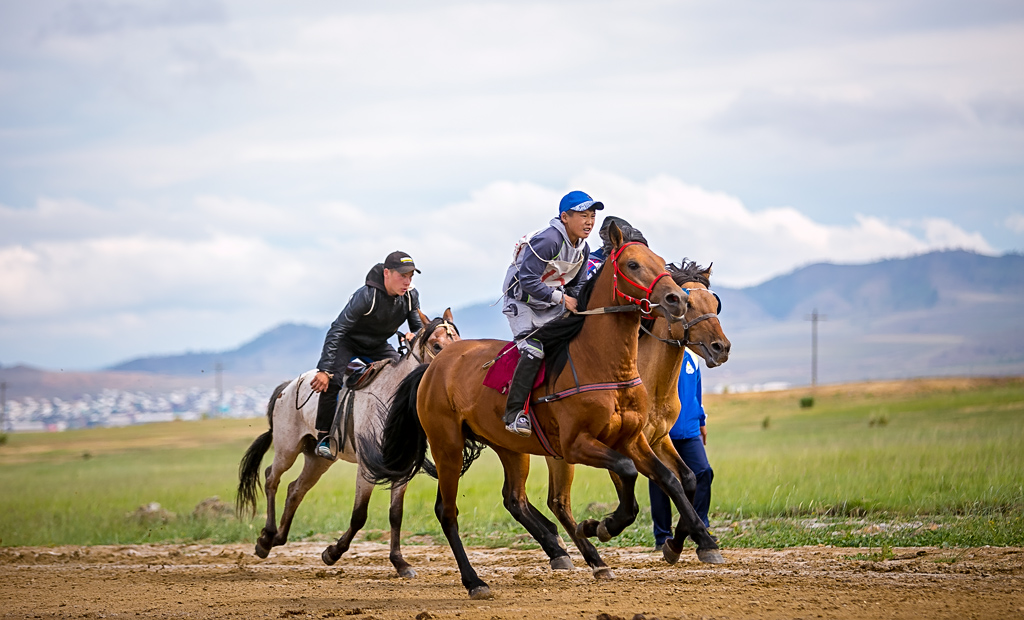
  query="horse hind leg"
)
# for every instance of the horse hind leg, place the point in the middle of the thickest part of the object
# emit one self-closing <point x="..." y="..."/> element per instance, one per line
<point x="360" y="505"/>
<point x="284" y="458"/>
<point x="560" y="476"/>
<point x="312" y="469"/>
<point x="517" y="466"/>
<point x="447" y="511"/>
<point x="395" y="518"/>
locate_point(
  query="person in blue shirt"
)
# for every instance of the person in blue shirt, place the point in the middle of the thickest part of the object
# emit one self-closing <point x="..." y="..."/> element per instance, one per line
<point x="689" y="435"/>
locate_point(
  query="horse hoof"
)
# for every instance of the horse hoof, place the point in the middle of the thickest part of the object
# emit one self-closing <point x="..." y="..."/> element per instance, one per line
<point x="407" y="573"/>
<point x="602" y="532"/>
<point x="603" y="573"/>
<point x="326" y="557"/>
<point x="562" y="562"/>
<point x="261" y="551"/>
<point x="671" y="555"/>
<point x="480" y="593"/>
<point x="710" y="556"/>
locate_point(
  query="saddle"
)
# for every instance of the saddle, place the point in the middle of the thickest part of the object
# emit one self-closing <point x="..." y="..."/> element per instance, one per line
<point x="499" y="374"/>
<point x="358" y="376"/>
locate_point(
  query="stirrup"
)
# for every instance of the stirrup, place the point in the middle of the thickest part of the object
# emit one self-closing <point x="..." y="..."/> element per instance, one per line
<point x="520" y="426"/>
<point x="323" y="449"/>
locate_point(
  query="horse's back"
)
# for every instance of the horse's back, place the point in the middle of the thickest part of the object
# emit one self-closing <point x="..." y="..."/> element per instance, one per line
<point x="456" y="375"/>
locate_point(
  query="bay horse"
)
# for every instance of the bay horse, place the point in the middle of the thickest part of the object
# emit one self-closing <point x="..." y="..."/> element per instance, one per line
<point x="445" y="406"/>
<point x="292" y="432"/>
<point x="659" y="359"/>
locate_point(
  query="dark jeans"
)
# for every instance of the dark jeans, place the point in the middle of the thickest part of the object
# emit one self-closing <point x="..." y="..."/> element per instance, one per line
<point x="346" y="352"/>
<point x="692" y="451"/>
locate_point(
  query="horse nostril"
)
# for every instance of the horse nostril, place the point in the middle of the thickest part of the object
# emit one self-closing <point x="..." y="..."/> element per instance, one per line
<point x="673" y="299"/>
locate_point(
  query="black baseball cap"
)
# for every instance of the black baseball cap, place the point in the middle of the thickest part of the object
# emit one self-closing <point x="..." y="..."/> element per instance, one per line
<point x="400" y="262"/>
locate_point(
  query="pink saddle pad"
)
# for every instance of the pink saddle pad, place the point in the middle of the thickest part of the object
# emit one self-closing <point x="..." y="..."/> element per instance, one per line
<point x="499" y="375"/>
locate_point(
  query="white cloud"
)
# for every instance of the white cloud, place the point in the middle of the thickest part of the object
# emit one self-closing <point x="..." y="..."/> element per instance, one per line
<point x="219" y="269"/>
<point x="1015" y="222"/>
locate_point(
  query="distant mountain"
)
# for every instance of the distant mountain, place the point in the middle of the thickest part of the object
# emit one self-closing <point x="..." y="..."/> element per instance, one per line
<point x="889" y="286"/>
<point x="940" y="313"/>
<point x="285" y="350"/>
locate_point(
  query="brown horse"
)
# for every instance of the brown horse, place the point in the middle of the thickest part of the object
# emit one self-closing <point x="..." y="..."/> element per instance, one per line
<point x="600" y="424"/>
<point x="659" y="358"/>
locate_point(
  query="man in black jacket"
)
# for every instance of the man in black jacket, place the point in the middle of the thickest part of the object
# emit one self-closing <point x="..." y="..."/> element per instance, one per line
<point x="372" y="315"/>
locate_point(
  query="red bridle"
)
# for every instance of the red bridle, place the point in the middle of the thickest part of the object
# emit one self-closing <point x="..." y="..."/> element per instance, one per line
<point x="645" y="303"/>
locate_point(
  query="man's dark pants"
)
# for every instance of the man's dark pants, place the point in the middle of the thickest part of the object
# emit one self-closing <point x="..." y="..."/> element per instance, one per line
<point x="692" y="451"/>
<point x="329" y="397"/>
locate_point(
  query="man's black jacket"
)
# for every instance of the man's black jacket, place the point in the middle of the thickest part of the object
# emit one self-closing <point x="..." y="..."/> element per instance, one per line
<point x="370" y="317"/>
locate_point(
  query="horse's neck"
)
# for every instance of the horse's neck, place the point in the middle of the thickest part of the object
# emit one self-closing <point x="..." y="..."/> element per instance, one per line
<point x="659" y="364"/>
<point x="606" y="347"/>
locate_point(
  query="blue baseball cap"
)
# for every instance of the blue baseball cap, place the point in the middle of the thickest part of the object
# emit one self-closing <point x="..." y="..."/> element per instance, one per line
<point x="578" y="201"/>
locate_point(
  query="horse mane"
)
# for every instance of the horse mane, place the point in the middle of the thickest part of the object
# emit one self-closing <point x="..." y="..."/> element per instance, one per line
<point x="557" y="334"/>
<point x="686" y="271"/>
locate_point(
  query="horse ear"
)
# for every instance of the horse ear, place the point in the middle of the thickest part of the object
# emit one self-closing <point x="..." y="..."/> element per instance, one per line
<point x="614" y="236"/>
<point x="447" y="314"/>
<point x="423" y="317"/>
<point x="707" y="272"/>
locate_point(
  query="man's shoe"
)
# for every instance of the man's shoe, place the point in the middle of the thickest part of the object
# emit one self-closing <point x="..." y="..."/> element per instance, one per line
<point x="520" y="426"/>
<point x="323" y="449"/>
<point x="658" y="546"/>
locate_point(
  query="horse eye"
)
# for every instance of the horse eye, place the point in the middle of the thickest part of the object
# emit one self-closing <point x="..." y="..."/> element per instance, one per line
<point x="633" y="265"/>
<point x="437" y="347"/>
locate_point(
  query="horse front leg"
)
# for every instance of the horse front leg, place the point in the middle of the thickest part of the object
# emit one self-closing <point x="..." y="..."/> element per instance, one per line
<point x="689" y="523"/>
<point x="395" y="517"/>
<point x="667" y="454"/>
<point x="588" y="451"/>
<point x="284" y="458"/>
<point x="560" y="476"/>
<point x="360" y="506"/>
<point x="517" y="468"/>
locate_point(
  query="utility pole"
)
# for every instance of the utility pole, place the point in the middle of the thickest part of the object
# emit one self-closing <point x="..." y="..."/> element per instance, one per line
<point x="814" y="318"/>
<point x="3" y="407"/>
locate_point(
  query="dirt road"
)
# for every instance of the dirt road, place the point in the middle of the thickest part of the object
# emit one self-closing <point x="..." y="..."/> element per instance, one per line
<point x="227" y="581"/>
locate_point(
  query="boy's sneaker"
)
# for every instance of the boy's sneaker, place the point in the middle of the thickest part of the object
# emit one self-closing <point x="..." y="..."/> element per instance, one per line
<point x="520" y="426"/>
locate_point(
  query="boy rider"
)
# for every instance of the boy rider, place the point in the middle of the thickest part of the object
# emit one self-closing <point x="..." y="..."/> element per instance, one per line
<point x="542" y="282"/>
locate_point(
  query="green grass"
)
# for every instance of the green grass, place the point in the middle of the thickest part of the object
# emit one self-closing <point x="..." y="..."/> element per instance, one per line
<point x="945" y="468"/>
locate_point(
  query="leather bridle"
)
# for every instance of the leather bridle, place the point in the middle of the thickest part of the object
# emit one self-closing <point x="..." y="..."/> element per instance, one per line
<point x="644" y="305"/>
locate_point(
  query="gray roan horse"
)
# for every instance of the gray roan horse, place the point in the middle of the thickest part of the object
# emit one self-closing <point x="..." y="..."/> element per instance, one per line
<point x="291" y="413"/>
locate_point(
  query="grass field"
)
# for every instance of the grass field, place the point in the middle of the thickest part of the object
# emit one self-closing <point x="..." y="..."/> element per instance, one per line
<point x="924" y="462"/>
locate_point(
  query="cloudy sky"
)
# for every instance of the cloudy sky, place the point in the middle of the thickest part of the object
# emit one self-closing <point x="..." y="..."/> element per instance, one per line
<point x="184" y="174"/>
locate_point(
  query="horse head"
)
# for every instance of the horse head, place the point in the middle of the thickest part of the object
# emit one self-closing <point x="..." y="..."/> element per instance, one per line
<point x="701" y="327"/>
<point x="640" y="277"/>
<point x="434" y="336"/>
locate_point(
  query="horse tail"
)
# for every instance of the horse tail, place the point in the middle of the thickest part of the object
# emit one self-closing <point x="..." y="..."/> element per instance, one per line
<point x="249" y="468"/>
<point x="400" y="450"/>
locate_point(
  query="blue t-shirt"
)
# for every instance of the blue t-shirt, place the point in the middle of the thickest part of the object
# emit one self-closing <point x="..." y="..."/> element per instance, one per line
<point x="691" y="413"/>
